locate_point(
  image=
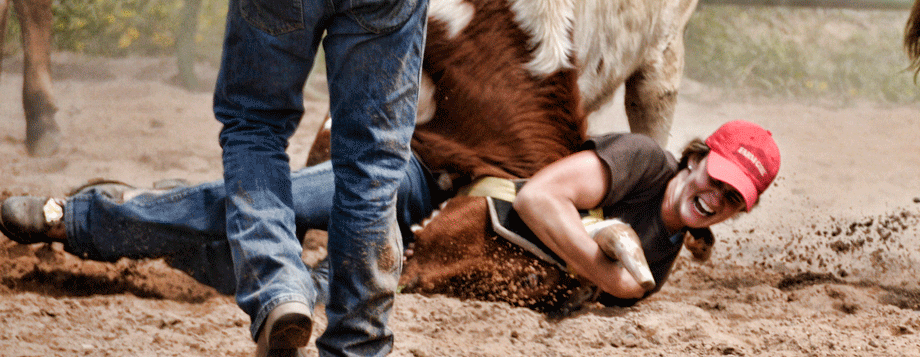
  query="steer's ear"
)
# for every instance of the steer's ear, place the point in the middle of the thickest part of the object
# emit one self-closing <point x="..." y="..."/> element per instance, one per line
<point x="319" y="151"/>
<point x="699" y="241"/>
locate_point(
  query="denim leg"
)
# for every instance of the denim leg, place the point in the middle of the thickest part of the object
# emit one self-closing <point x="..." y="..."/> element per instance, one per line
<point x="183" y="221"/>
<point x="186" y="226"/>
<point x="268" y="51"/>
<point x="413" y="204"/>
<point x="373" y="59"/>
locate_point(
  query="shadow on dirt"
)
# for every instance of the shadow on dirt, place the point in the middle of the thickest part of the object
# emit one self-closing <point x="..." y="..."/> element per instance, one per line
<point x="904" y="298"/>
<point x="67" y="281"/>
<point x="802" y="280"/>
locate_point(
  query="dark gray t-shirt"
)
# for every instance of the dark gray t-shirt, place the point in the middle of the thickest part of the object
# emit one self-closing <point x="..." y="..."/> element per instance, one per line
<point x="639" y="173"/>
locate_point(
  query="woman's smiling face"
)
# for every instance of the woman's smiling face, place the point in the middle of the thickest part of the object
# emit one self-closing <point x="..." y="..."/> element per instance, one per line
<point x="694" y="199"/>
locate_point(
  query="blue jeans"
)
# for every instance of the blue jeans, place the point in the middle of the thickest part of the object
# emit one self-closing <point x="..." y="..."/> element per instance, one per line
<point x="373" y="63"/>
<point x="186" y="226"/>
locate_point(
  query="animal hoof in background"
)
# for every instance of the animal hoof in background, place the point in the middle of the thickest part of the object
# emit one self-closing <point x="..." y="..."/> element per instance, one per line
<point x="43" y="143"/>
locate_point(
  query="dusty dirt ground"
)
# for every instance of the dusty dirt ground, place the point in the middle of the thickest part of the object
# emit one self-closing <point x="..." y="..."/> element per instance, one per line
<point x="825" y="266"/>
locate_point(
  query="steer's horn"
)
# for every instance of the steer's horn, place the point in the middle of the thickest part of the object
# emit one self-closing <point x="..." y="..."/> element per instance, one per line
<point x="621" y="243"/>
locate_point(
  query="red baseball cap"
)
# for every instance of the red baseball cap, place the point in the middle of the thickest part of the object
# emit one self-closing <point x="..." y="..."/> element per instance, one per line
<point x="743" y="155"/>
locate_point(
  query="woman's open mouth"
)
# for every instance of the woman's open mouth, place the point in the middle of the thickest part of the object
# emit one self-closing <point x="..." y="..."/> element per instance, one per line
<point x="702" y="207"/>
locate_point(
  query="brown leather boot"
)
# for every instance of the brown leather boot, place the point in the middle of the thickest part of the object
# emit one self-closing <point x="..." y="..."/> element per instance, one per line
<point x="28" y="220"/>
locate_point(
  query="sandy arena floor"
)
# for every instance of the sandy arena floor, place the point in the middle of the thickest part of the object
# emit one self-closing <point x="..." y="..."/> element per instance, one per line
<point x="825" y="266"/>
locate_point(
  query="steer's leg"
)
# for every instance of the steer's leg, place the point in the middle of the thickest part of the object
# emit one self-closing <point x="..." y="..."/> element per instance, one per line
<point x="42" y="133"/>
<point x="651" y="93"/>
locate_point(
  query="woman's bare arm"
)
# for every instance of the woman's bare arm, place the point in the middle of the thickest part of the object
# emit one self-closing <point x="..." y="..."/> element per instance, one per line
<point x="549" y="204"/>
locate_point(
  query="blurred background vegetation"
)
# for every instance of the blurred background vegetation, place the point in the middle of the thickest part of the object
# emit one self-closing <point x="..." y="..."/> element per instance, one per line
<point x="806" y="53"/>
<point x="128" y="27"/>
<point x="826" y="54"/>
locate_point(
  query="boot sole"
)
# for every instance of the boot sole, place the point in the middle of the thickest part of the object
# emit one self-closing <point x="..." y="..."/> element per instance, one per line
<point x="288" y="327"/>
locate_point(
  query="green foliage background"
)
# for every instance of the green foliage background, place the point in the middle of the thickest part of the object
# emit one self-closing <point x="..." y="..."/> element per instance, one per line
<point x="832" y="55"/>
<point x="128" y="27"/>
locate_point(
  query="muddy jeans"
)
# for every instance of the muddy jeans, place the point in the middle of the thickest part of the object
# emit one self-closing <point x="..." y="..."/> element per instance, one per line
<point x="187" y="226"/>
<point x="373" y="52"/>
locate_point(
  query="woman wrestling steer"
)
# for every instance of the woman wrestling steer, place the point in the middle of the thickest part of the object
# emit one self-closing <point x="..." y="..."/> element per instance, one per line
<point x="560" y="266"/>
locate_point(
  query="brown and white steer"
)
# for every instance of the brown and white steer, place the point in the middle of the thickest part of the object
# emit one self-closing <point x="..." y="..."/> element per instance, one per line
<point x="506" y="88"/>
<point x="498" y="78"/>
<point x="42" y="133"/>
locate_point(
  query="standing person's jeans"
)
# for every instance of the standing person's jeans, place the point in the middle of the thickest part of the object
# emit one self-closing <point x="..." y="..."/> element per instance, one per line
<point x="186" y="225"/>
<point x="373" y="61"/>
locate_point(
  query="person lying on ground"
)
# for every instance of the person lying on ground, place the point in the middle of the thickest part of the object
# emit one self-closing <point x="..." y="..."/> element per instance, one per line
<point x="627" y="175"/>
<point x="658" y="198"/>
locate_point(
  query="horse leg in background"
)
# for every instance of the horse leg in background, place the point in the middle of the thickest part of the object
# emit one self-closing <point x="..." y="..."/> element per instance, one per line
<point x="185" y="44"/>
<point x="4" y="15"/>
<point x="42" y="133"/>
